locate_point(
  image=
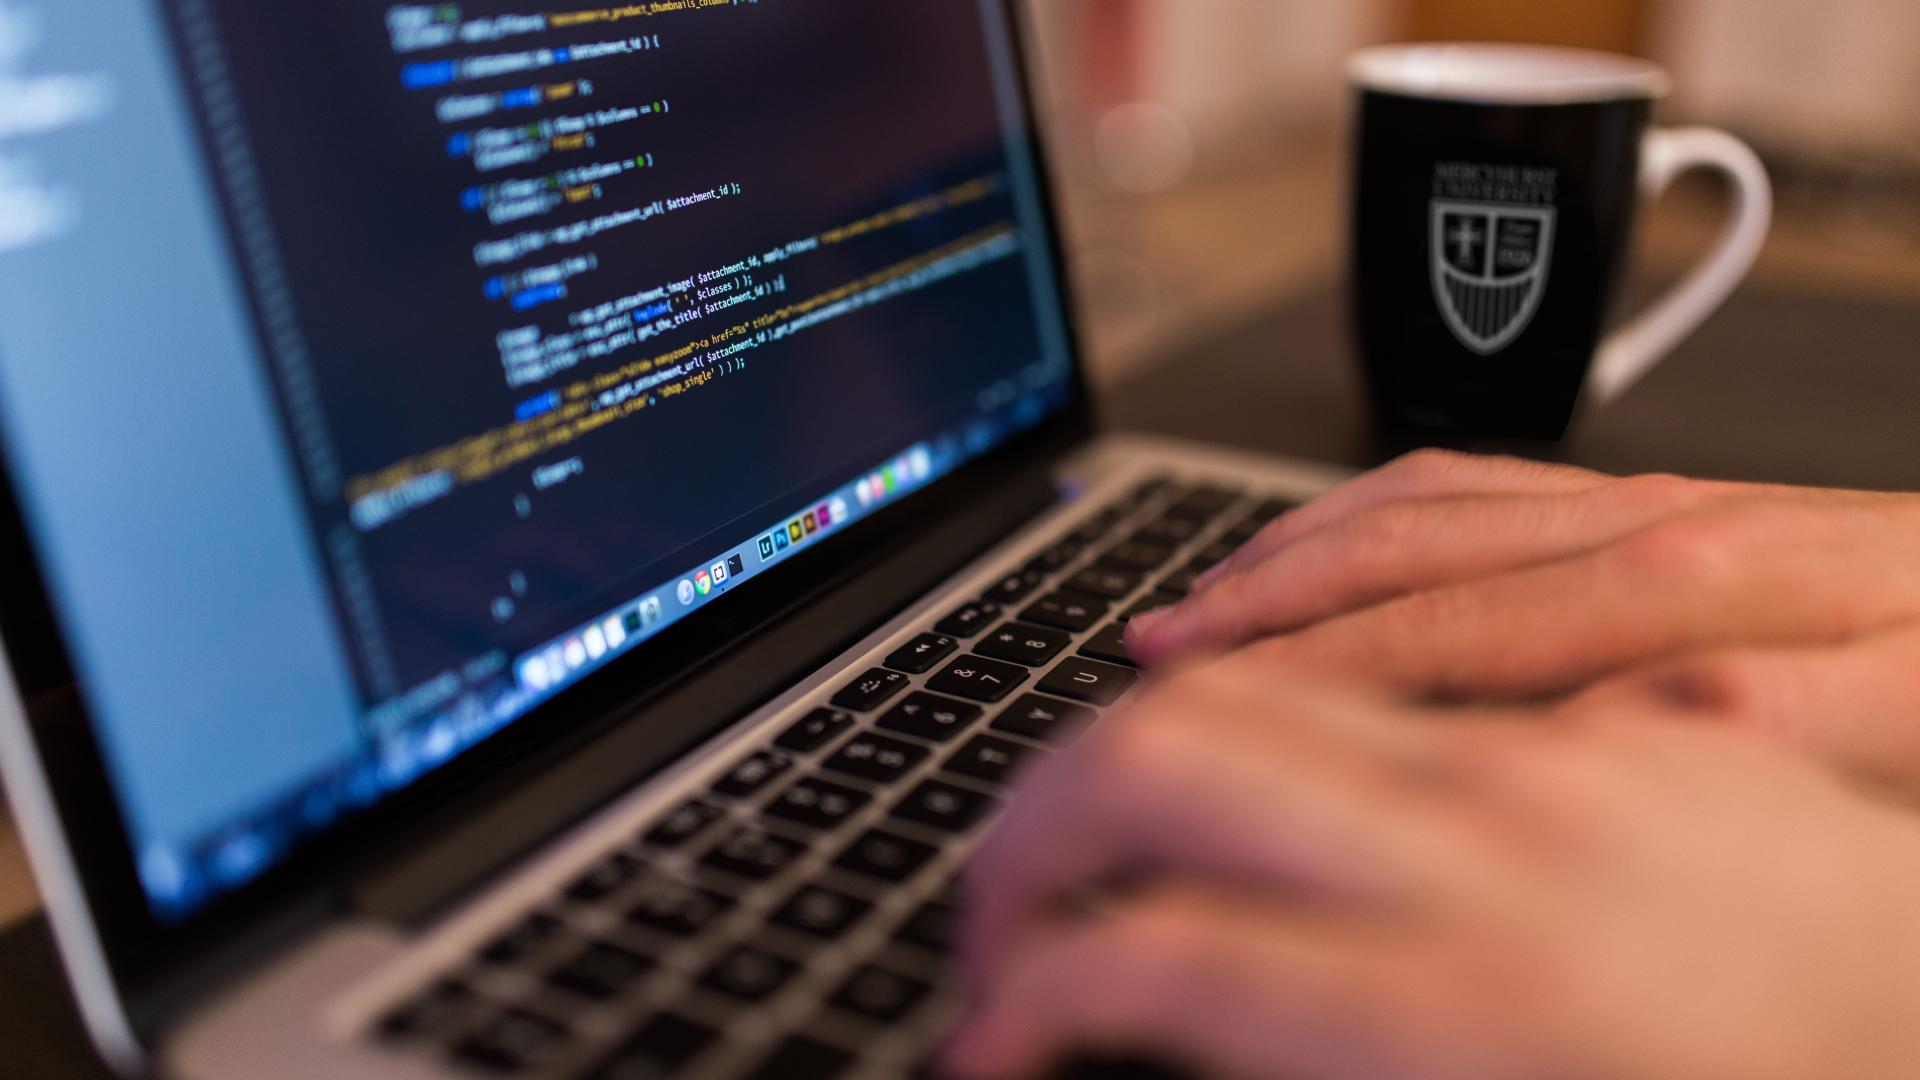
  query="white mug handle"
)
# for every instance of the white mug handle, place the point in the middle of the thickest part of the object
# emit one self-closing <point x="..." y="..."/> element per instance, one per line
<point x="1633" y="350"/>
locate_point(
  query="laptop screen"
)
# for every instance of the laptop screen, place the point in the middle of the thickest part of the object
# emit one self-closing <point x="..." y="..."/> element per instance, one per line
<point x="371" y="373"/>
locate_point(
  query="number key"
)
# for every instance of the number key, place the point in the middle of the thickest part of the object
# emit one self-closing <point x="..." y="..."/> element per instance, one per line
<point x="1023" y="644"/>
<point x="1110" y="645"/>
<point x="1108" y="583"/>
<point x="814" y="730"/>
<point x="969" y="620"/>
<point x="930" y="717"/>
<point x="877" y="758"/>
<point x="1015" y="587"/>
<point x="1067" y="611"/>
<point x="978" y="679"/>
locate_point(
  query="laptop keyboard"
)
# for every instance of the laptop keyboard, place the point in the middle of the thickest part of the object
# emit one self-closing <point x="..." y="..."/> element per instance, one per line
<point x="796" y="920"/>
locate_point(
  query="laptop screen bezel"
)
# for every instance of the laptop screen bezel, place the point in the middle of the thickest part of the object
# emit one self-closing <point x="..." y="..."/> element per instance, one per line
<point x="144" y="953"/>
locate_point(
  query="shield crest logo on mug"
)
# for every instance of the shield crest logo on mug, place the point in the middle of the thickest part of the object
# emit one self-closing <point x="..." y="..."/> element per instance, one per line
<point x="1490" y="264"/>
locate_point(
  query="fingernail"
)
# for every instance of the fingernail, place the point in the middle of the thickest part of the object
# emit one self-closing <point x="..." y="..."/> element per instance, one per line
<point x="1145" y="622"/>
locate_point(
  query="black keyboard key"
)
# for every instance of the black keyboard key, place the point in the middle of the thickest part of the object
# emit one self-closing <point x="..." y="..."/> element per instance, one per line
<point x="1056" y="557"/>
<point x="534" y="933"/>
<point x="988" y="758"/>
<point x="870" y="691"/>
<point x="800" y="1058"/>
<point x="943" y="806"/>
<point x="917" y="657"/>
<point x="753" y="853"/>
<point x="749" y="974"/>
<point x="969" y="620"/>
<point x="1044" y="719"/>
<point x="1153" y="601"/>
<point x="683" y="824"/>
<point x="600" y="971"/>
<point x="1171" y="531"/>
<point x="1243" y="532"/>
<point x="883" y="855"/>
<point x="752" y="774"/>
<point x="1067" y="611"/>
<point x="663" y="1046"/>
<point x="1180" y="582"/>
<point x="1110" y="645"/>
<point x="821" y="912"/>
<point x="1136" y="555"/>
<point x="1014" y="587"/>
<point x="1095" y="528"/>
<point x="1105" y="582"/>
<point x="513" y="1041"/>
<point x="930" y="716"/>
<point x="1203" y="504"/>
<point x="606" y="877"/>
<point x="877" y="758"/>
<point x="814" y="730"/>
<point x="879" y="994"/>
<point x="1023" y="643"/>
<point x="933" y="926"/>
<point x="1270" y="509"/>
<point x="1214" y="554"/>
<point x="1148" y="488"/>
<point x="676" y="908"/>
<point x="817" y="803"/>
<point x="433" y="1014"/>
<point x="978" y="679"/>
<point x="1089" y="681"/>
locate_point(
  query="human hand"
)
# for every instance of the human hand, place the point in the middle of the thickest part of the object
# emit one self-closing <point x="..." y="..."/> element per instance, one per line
<point x="1493" y="578"/>
<point x="1321" y="883"/>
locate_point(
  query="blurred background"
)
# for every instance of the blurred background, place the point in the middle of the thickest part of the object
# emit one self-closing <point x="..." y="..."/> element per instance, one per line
<point x="1202" y="142"/>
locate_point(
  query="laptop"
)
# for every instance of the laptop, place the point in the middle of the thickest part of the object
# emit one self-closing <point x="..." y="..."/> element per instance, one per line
<point x="539" y="536"/>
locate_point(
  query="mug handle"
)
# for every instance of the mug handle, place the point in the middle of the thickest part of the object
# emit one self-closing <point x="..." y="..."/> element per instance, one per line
<point x="1632" y="351"/>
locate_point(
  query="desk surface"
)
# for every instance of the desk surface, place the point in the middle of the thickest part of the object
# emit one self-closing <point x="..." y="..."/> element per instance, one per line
<point x="1783" y="385"/>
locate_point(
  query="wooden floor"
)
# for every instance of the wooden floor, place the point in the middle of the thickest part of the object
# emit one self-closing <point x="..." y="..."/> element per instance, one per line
<point x="1156" y="271"/>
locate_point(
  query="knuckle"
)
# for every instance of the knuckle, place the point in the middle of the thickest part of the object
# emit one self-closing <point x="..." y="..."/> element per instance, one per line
<point x="1428" y="463"/>
<point x="1386" y="528"/>
<point x="1687" y="549"/>
<point x="1375" y="541"/>
<point x="1725" y="685"/>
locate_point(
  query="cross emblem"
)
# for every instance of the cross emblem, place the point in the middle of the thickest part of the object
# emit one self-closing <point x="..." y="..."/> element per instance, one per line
<point x="1464" y="238"/>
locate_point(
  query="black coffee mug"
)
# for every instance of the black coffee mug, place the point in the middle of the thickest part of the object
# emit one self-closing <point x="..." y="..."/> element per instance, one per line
<point x="1495" y="194"/>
